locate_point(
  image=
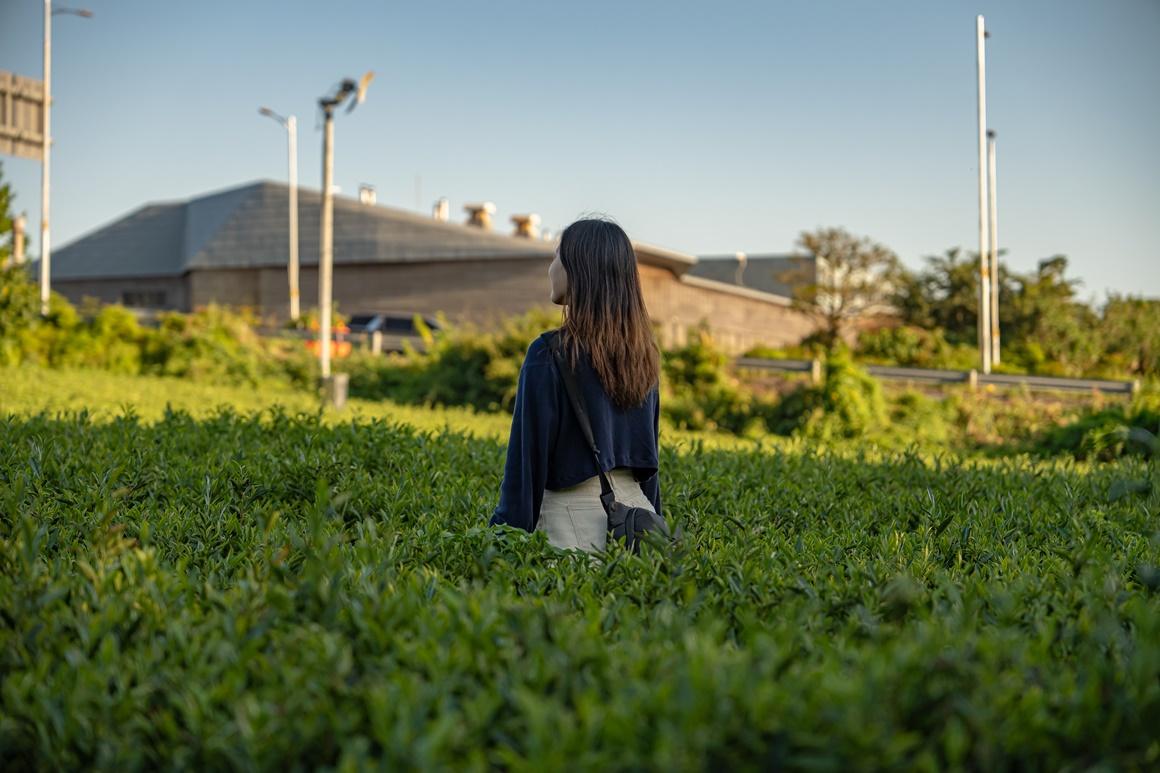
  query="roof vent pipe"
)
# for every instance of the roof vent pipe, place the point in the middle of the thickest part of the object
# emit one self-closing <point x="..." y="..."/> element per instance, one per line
<point x="527" y="226"/>
<point x="479" y="215"/>
<point x="441" y="211"/>
<point x="741" y="261"/>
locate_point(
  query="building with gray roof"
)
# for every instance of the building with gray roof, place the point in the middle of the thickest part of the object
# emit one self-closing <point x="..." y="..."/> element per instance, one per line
<point x="230" y="248"/>
<point x="777" y="274"/>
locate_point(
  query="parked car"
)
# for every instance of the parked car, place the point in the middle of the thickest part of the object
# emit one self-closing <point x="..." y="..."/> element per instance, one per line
<point x="389" y="324"/>
<point x="394" y="327"/>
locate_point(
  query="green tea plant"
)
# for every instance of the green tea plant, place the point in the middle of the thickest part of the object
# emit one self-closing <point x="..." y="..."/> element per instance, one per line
<point x="269" y="590"/>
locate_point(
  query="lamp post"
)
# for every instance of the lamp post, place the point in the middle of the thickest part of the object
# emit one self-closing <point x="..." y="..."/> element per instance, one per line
<point x="993" y="233"/>
<point x="45" y="178"/>
<point x="291" y="125"/>
<point x="326" y="252"/>
<point x="984" y="243"/>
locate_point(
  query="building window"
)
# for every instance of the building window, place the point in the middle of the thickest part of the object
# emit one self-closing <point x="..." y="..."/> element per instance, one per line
<point x="143" y="299"/>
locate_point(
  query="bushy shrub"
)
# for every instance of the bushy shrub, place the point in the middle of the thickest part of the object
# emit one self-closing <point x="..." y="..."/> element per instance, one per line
<point x="212" y="344"/>
<point x="460" y="365"/>
<point x="914" y="347"/>
<point x="1107" y="433"/>
<point x="848" y="403"/>
<point x="701" y="392"/>
<point x="916" y="418"/>
<point x="19" y="300"/>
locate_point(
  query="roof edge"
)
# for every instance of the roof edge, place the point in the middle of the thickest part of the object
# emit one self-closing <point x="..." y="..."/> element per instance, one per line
<point x="677" y="262"/>
<point x="731" y="289"/>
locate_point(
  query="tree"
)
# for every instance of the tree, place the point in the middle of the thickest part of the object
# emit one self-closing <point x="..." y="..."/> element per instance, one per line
<point x="19" y="297"/>
<point x="1044" y="327"/>
<point x="851" y="279"/>
<point x="1130" y="330"/>
<point x="1047" y="325"/>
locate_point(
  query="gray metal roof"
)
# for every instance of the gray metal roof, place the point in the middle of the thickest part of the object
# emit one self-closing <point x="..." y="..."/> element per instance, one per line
<point x="147" y="242"/>
<point x="247" y="227"/>
<point x="774" y="274"/>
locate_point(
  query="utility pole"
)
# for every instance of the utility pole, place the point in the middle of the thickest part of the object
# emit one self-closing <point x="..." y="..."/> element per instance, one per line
<point x="292" y="141"/>
<point x="326" y="251"/>
<point x="993" y="231"/>
<point x="984" y="242"/>
<point x="45" y="245"/>
<point x="291" y="125"/>
<point x="335" y="392"/>
<point x="45" y="170"/>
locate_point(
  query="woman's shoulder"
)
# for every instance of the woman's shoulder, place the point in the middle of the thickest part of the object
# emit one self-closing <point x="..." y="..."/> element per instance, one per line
<point x="540" y="351"/>
<point x="542" y="347"/>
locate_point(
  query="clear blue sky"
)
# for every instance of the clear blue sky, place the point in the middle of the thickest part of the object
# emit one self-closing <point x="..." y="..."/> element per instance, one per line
<point x="706" y="127"/>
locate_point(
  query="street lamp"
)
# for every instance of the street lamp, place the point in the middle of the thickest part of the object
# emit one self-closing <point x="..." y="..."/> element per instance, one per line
<point x="45" y="242"/>
<point x="291" y="125"/>
<point x="345" y="91"/>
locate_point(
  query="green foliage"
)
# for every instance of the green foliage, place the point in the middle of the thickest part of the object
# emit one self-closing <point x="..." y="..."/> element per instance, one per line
<point x="852" y="399"/>
<point x="19" y="309"/>
<point x="212" y="344"/>
<point x="271" y="592"/>
<point x="701" y="393"/>
<point x="1108" y="433"/>
<point x="945" y="295"/>
<point x="458" y="366"/>
<point x="915" y="347"/>
<point x="1131" y="336"/>
<point x="797" y="352"/>
<point x="1045" y="327"/>
<point x="848" y="403"/>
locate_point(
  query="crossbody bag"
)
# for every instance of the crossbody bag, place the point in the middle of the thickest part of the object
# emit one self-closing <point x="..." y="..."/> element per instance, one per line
<point x="624" y="522"/>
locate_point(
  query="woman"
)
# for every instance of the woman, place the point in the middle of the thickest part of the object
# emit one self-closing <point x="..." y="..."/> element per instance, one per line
<point x="550" y="481"/>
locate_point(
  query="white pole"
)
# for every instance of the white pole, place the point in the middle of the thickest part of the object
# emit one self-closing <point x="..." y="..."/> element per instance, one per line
<point x="292" y="139"/>
<point x="993" y="229"/>
<point x="45" y="242"/>
<point x="984" y="279"/>
<point x="326" y="256"/>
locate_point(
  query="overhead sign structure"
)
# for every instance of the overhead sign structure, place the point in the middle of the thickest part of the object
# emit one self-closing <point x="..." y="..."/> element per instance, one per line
<point x="21" y="116"/>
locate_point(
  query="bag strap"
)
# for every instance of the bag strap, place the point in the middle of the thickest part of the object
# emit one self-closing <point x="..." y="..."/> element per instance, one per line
<point x="607" y="496"/>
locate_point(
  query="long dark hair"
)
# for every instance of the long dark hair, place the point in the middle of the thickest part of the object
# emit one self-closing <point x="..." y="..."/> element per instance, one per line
<point x="604" y="312"/>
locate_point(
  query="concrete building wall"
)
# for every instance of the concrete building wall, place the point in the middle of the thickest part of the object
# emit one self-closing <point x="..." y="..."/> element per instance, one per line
<point x="142" y="292"/>
<point x="469" y="291"/>
<point x="226" y="287"/>
<point x="737" y="320"/>
<point x="479" y="292"/>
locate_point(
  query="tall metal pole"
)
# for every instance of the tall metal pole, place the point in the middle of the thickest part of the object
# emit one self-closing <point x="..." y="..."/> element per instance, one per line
<point x="45" y="242"/>
<point x="292" y="141"/>
<point x="326" y="254"/>
<point x="984" y="244"/>
<point x="993" y="230"/>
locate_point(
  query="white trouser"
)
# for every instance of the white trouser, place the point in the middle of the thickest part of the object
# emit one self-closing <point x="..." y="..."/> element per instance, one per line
<point x="574" y="518"/>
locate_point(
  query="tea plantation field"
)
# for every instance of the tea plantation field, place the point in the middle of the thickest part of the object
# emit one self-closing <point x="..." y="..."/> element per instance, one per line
<point x="275" y="590"/>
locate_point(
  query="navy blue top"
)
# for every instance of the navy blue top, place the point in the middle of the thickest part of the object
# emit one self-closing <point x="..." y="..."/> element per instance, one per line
<point x="547" y="448"/>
